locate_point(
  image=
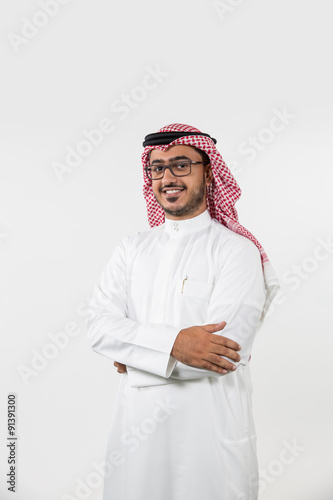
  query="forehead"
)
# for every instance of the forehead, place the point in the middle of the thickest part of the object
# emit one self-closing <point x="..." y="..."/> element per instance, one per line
<point x="174" y="151"/>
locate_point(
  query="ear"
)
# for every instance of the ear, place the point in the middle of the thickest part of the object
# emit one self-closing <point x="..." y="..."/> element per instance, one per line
<point x="208" y="175"/>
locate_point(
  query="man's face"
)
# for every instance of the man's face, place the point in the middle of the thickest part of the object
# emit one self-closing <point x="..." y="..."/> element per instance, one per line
<point x="188" y="196"/>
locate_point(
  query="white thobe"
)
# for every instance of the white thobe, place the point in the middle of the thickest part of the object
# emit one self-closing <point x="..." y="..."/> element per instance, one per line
<point x="178" y="432"/>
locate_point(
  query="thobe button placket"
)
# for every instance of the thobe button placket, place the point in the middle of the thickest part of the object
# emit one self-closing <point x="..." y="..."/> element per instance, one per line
<point x="175" y="226"/>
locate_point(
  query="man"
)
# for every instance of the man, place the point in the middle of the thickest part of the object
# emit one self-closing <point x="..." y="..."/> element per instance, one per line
<point x="177" y="308"/>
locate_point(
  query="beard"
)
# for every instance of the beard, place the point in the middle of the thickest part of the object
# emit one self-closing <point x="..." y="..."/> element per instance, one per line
<point x="192" y="205"/>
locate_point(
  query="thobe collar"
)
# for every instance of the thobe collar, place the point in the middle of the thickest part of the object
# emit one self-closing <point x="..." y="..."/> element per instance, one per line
<point x="177" y="228"/>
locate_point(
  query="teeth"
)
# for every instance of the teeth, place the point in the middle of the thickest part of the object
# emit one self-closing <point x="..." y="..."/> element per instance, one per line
<point x="173" y="191"/>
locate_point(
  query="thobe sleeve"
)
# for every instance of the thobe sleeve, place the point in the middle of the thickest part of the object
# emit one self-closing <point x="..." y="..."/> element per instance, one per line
<point x="112" y="334"/>
<point x="238" y="298"/>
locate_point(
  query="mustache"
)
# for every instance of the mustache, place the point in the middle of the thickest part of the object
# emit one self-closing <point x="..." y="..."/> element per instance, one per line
<point x="171" y="186"/>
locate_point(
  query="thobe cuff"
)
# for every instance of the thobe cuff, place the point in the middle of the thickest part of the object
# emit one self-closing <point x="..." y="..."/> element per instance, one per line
<point x="152" y="357"/>
<point x="141" y="378"/>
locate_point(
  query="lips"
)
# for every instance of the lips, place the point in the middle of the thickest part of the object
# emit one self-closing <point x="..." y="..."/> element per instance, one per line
<point x="171" y="188"/>
<point x="172" y="192"/>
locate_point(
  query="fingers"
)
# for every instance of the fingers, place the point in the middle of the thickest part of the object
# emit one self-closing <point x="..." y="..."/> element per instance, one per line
<point x="224" y="341"/>
<point x="120" y="367"/>
<point x="214" y="368"/>
<point x="218" y="365"/>
<point x="221" y="362"/>
<point x="227" y="353"/>
<point x="222" y="350"/>
<point x="218" y="339"/>
<point x="215" y="327"/>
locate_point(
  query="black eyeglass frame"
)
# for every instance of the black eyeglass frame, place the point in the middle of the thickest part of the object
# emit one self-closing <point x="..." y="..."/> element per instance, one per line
<point x="170" y="168"/>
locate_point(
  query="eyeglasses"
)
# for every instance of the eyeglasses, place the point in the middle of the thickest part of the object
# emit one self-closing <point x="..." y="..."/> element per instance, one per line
<point x="178" y="169"/>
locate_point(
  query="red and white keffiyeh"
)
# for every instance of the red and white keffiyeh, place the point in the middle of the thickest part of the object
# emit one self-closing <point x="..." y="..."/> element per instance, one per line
<point x="222" y="195"/>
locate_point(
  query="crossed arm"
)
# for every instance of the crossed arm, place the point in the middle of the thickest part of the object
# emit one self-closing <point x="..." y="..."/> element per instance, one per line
<point x="194" y="352"/>
<point x="200" y="347"/>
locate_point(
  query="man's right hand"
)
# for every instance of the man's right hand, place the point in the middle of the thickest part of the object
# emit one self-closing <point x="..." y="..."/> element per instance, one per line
<point x="198" y="346"/>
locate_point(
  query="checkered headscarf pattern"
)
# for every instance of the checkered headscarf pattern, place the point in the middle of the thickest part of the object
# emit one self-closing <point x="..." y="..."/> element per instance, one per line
<point x="222" y="194"/>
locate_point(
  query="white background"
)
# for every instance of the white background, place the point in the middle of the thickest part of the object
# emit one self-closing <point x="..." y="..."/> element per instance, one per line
<point x="226" y="71"/>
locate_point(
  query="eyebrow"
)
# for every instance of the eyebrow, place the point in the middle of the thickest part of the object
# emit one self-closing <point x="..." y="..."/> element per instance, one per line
<point x="174" y="158"/>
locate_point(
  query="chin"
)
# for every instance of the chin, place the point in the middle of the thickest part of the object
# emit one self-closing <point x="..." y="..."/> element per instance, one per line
<point x="177" y="212"/>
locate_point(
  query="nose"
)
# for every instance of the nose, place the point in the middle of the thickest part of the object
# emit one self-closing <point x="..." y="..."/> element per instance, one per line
<point x="168" y="176"/>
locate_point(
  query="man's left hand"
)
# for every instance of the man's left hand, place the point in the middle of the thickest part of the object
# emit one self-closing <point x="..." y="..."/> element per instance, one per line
<point x="120" y="367"/>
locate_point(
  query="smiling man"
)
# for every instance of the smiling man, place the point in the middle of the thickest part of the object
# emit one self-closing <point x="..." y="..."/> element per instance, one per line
<point x="177" y="309"/>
